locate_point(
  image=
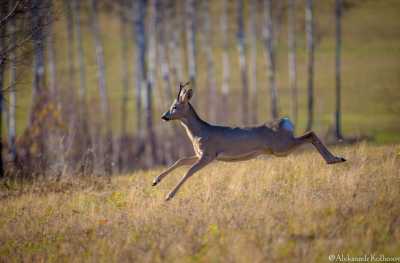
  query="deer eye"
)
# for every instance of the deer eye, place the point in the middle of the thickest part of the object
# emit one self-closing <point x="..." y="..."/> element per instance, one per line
<point x="174" y="108"/>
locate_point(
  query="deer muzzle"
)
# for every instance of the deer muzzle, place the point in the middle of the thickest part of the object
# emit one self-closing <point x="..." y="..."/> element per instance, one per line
<point x="166" y="116"/>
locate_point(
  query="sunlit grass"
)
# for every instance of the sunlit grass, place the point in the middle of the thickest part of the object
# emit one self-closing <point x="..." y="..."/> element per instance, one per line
<point x="294" y="209"/>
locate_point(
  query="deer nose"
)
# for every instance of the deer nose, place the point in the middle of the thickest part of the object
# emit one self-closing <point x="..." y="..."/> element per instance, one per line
<point x="165" y="117"/>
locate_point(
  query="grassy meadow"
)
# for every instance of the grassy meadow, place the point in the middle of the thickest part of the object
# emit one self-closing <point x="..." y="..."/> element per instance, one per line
<point x="294" y="209"/>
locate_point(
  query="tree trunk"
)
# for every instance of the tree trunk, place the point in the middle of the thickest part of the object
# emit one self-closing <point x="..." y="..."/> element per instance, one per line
<point x="101" y="75"/>
<point x="122" y="156"/>
<point x="242" y="63"/>
<point x="38" y="54"/>
<point x="124" y="68"/>
<point x="151" y="62"/>
<point x="270" y="47"/>
<point x="146" y="81"/>
<point x="253" y="60"/>
<point x="81" y="54"/>
<point x="175" y="43"/>
<point x="191" y="41"/>
<point x="207" y="45"/>
<point x="292" y="58"/>
<point x="3" y="32"/>
<point x="51" y="54"/>
<point x="167" y="95"/>
<point x="70" y="41"/>
<point x="310" y="65"/>
<point x="175" y="49"/>
<point x="225" y="61"/>
<point x="338" y="113"/>
<point x="138" y="38"/>
<point x="12" y="94"/>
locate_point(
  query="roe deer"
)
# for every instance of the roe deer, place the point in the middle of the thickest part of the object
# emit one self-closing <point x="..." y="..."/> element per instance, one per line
<point x="212" y="142"/>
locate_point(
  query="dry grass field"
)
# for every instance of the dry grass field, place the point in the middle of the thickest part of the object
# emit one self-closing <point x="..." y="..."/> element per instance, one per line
<point x="295" y="209"/>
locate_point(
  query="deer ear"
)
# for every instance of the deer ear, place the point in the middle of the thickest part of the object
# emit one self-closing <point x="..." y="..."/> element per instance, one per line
<point x="186" y="95"/>
<point x="189" y="94"/>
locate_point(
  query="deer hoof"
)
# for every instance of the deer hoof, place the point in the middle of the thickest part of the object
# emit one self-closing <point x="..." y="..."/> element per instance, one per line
<point x="169" y="197"/>
<point x="155" y="182"/>
<point x="337" y="160"/>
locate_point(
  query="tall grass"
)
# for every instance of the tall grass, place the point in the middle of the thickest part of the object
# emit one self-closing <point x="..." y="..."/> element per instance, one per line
<point x="295" y="209"/>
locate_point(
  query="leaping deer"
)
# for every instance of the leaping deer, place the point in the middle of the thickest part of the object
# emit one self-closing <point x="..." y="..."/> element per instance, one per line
<point x="212" y="142"/>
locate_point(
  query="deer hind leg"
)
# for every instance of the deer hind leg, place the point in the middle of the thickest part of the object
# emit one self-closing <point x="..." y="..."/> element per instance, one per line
<point x="178" y="163"/>
<point x="310" y="137"/>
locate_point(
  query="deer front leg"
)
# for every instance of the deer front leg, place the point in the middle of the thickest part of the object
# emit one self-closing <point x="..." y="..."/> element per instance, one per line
<point x="178" y="163"/>
<point x="203" y="161"/>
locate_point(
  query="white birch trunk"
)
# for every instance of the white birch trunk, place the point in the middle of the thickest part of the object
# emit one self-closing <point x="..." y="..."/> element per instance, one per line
<point x="151" y="62"/>
<point x="105" y="146"/>
<point x="207" y="45"/>
<point x="242" y="63"/>
<point x="138" y="37"/>
<point x="225" y="61"/>
<point x="124" y="69"/>
<point x="269" y="45"/>
<point x="253" y="60"/>
<point x="292" y="59"/>
<point x="76" y="9"/>
<point x="191" y="41"/>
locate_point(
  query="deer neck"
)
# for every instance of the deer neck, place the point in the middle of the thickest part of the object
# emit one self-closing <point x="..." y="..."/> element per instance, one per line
<point x="193" y="123"/>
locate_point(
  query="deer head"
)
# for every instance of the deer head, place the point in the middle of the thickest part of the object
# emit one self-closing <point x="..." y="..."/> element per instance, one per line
<point x="180" y="107"/>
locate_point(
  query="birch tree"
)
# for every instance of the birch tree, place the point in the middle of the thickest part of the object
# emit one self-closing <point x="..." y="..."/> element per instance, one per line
<point x="163" y="26"/>
<point x="292" y="59"/>
<point x="207" y="45"/>
<point x="338" y="113"/>
<point x="146" y="82"/>
<point x="151" y="62"/>
<point x="82" y="94"/>
<point x="51" y="53"/>
<point x="3" y="31"/>
<point x="69" y="15"/>
<point x="225" y="59"/>
<point x="175" y="43"/>
<point x="12" y="94"/>
<point x="253" y="60"/>
<point x="138" y="12"/>
<point x="101" y="73"/>
<point x="38" y="53"/>
<point x="123" y="22"/>
<point x="101" y="77"/>
<point x="242" y="62"/>
<point x="310" y="63"/>
<point x="270" y="48"/>
<point x="191" y="40"/>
